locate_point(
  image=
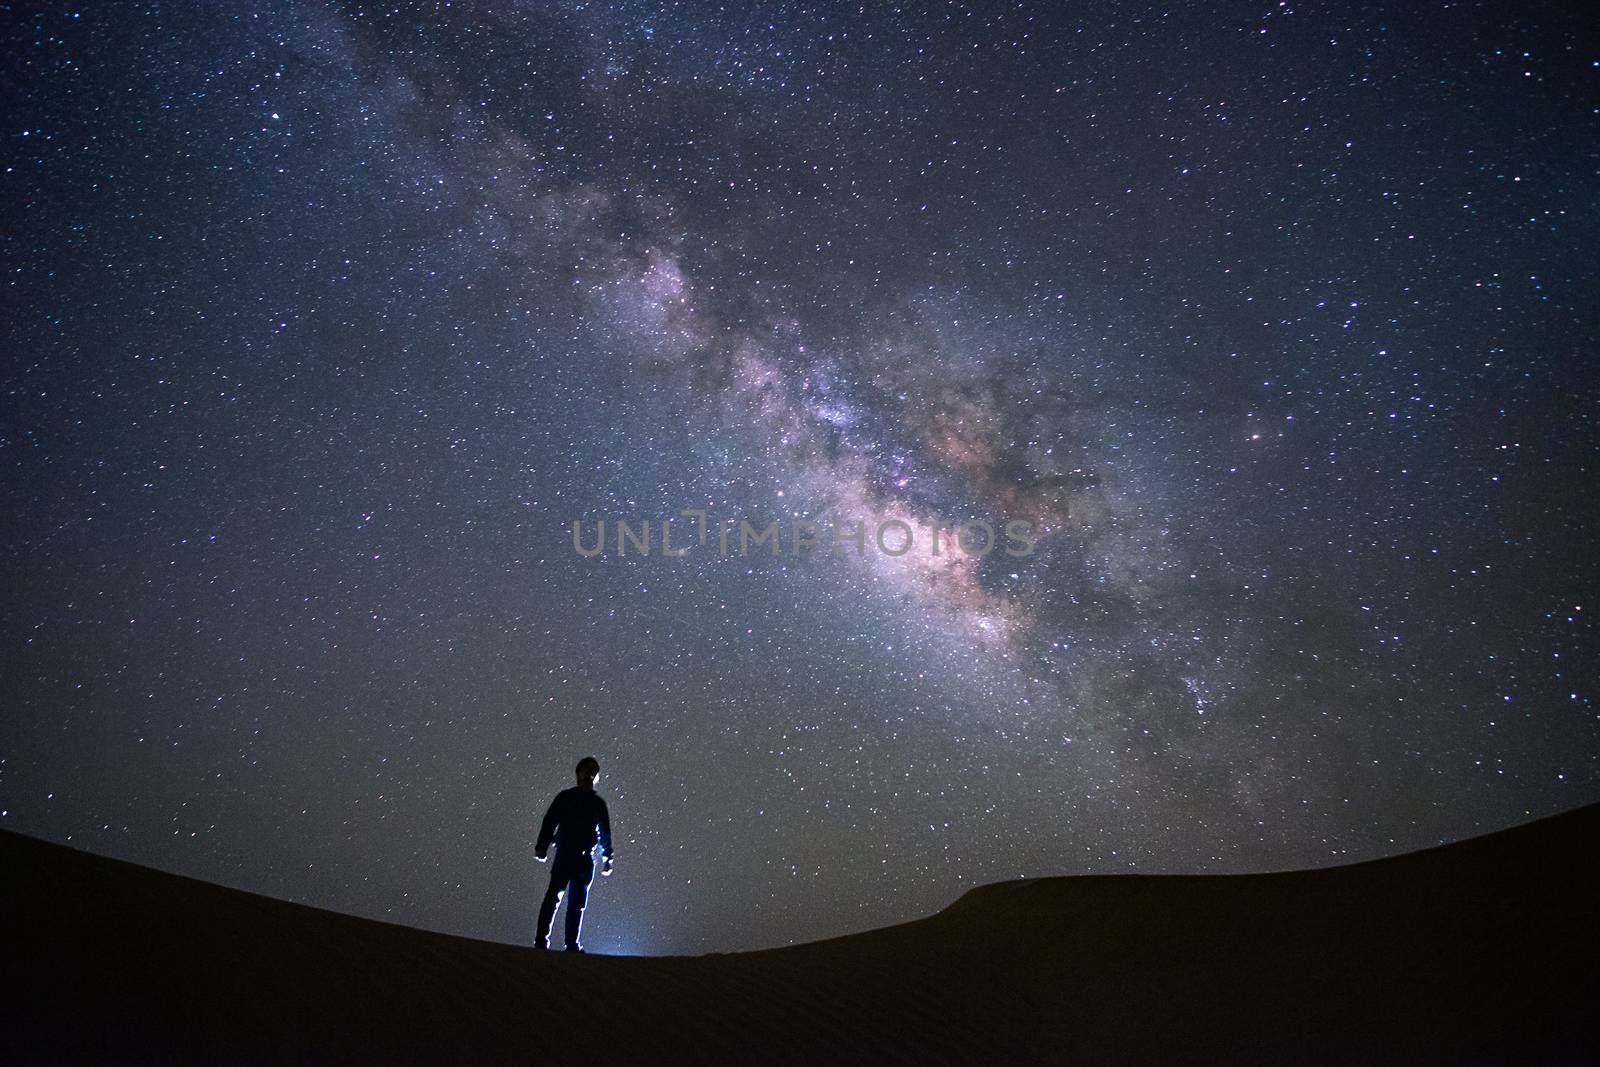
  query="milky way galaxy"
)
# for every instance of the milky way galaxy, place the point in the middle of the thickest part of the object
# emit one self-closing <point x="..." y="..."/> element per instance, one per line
<point x="1274" y="324"/>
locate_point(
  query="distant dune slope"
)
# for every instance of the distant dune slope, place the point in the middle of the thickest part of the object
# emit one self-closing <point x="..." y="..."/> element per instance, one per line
<point x="1478" y="951"/>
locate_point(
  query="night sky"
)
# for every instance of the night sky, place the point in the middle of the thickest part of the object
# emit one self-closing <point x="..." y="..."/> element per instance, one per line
<point x="324" y="325"/>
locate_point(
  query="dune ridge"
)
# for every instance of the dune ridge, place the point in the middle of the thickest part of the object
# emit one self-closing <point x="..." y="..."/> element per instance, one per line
<point x="1483" y="950"/>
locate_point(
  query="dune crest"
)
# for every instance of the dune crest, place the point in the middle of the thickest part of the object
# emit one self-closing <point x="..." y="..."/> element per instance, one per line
<point x="1483" y="949"/>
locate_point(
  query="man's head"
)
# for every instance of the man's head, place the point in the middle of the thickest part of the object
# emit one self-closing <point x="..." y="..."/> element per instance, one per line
<point x="588" y="771"/>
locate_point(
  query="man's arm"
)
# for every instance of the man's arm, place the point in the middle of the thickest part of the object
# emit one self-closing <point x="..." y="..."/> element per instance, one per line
<point x="605" y="830"/>
<point x="547" y="829"/>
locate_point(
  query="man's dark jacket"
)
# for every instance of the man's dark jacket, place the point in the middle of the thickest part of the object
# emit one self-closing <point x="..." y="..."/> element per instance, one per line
<point x="576" y="822"/>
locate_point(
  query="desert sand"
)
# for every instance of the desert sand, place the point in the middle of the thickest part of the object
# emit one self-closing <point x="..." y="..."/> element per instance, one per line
<point x="1478" y="951"/>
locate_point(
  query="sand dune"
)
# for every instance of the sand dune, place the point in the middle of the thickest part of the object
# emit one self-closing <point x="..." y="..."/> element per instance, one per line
<point x="1479" y="951"/>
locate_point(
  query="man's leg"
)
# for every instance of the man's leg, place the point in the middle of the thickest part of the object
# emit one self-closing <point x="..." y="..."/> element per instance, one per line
<point x="547" y="910"/>
<point x="582" y="875"/>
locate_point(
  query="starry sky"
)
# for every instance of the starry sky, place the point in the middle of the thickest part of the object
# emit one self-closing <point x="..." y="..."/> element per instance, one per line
<point x="325" y="323"/>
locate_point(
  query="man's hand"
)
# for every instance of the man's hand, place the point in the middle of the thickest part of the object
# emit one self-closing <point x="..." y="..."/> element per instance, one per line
<point x="605" y="867"/>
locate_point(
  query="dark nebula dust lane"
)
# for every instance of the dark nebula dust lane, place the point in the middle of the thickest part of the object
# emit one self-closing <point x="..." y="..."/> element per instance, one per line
<point x="1273" y="324"/>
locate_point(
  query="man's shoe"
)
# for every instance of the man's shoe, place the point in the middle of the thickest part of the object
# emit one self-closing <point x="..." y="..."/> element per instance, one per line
<point x="574" y="948"/>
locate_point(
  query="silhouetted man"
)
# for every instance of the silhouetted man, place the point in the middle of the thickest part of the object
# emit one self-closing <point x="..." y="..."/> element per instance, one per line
<point x="577" y="821"/>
